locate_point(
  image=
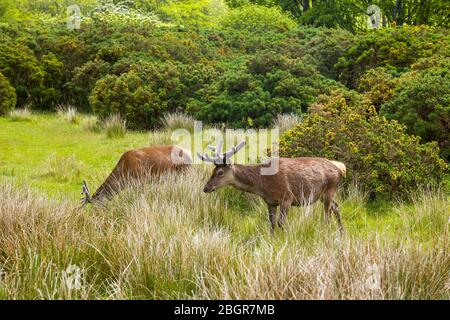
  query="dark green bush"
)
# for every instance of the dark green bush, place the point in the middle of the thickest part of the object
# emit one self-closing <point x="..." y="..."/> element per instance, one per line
<point x="421" y="101"/>
<point x="379" y="155"/>
<point x="252" y="94"/>
<point x="7" y="96"/>
<point x="141" y="95"/>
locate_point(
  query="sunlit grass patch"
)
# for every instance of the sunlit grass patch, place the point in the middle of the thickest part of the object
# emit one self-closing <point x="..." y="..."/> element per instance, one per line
<point x="63" y="169"/>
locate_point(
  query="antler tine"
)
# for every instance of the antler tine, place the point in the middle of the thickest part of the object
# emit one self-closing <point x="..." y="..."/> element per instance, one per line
<point x="86" y="193"/>
<point x="218" y="149"/>
<point x="204" y="157"/>
<point x="227" y="155"/>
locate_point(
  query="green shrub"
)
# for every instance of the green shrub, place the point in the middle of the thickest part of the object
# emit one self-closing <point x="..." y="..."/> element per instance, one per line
<point x="379" y="155"/>
<point x="7" y="96"/>
<point x="421" y="101"/>
<point x="378" y="86"/>
<point x="393" y="48"/>
<point x="258" y="19"/>
<point x="147" y="91"/>
<point x="252" y="94"/>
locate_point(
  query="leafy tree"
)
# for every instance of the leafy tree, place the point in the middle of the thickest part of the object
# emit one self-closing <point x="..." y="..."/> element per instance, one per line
<point x="421" y="101"/>
<point x="7" y="96"/>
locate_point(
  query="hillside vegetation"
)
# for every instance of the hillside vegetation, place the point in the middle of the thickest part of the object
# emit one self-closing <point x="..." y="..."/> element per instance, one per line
<point x="83" y="81"/>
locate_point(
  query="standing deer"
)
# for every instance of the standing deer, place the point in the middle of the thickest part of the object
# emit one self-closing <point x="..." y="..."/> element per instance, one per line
<point x="299" y="182"/>
<point x="137" y="164"/>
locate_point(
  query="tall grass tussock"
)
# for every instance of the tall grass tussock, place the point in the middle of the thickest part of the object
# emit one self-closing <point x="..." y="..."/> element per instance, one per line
<point x="68" y="113"/>
<point x="114" y="126"/>
<point x="178" y="120"/>
<point x="23" y="114"/>
<point x="166" y="239"/>
<point x="284" y="122"/>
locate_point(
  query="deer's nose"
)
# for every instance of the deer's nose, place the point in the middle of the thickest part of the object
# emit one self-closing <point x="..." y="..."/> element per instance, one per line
<point x="206" y="189"/>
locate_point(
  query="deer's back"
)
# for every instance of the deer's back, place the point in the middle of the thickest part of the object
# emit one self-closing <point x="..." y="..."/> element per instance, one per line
<point x="154" y="160"/>
<point x="305" y="179"/>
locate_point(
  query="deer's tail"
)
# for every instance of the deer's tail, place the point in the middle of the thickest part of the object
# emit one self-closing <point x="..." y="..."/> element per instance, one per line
<point x="341" y="167"/>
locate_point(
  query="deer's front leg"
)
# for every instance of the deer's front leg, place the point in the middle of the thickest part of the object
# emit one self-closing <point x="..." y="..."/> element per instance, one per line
<point x="272" y="217"/>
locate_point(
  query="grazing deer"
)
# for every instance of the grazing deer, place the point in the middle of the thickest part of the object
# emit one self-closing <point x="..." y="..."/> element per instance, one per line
<point x="137" y="164"/>
<point x="298" y="182"/>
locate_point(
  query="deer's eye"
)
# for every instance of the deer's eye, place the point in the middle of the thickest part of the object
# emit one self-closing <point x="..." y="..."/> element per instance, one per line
<point x="220" y="173"/>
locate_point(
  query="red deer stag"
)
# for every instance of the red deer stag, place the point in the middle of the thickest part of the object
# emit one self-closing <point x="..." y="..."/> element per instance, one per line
<point x="298" y="181"/>
<point x="137" y="164"/>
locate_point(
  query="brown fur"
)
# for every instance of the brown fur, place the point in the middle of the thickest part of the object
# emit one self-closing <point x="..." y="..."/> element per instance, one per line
<point x="299" y="182"/>
<point x="140" y="163"/>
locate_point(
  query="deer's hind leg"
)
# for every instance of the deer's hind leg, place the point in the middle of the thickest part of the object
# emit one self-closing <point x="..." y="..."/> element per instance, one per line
<point x="337" y="214"/>
<point x="284" y="208"/>
<point x="327" y="204"/>
<point x="272" y="217"/>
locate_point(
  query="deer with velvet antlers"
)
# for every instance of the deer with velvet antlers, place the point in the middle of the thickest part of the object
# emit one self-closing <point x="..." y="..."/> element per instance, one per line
<point x="297" y="182"/>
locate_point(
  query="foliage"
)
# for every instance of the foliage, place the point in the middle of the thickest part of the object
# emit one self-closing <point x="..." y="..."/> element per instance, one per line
<point x="140" y="95"/>
<point x="252" y="94"/>
<point x="379" y="155"/>
<point x="378" y="86"/>
<point x="421" y="101"/>
<point x="258" y="19"/>
<point x="7" y="96"/>
<point x="394" y="48"/>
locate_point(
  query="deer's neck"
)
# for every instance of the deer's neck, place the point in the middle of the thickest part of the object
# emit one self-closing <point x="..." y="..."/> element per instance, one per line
<point x="247" y="178"/>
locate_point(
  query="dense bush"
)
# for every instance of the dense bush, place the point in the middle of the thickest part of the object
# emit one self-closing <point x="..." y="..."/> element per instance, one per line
<point x="421" y="101"/>
<point x="141" y="95"/>
<point x="258" y="19"/>
<point x="7" y="96"/>
<point x="379" y="155"/>
<point x="252" y="94"/>
<point x="395" y="48"/>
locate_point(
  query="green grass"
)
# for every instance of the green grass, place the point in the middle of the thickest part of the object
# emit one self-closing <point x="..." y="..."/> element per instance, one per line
<point x="25" y="148"/>
<point x="167" y="239"/>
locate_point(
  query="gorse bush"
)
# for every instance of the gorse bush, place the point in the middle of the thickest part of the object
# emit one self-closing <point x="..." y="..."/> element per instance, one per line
<point x="7" y="96"/>
<point x="378" y="153"/>
<point x="395" y="48"/>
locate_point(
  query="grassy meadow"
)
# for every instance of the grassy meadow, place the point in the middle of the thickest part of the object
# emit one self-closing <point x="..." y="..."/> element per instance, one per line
<point x="167" y="239"/>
